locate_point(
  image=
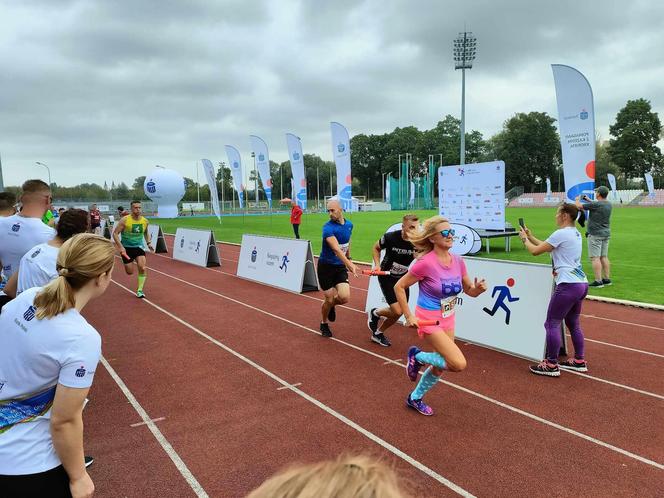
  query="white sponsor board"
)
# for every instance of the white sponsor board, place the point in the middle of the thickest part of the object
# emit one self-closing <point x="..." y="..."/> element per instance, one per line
<point x="156" y="236"/>
<point x="197" y="247"/>
<point x="527" y="285"/>
<point x="193" y="206"/>
<point x="552" y="200"/>
<point x="473" y="194"/>
<point x="278" y="261"/>
<point x="526" y="200"/>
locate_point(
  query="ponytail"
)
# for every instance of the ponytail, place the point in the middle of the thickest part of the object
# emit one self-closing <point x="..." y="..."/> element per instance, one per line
<point x="82" y="258"/>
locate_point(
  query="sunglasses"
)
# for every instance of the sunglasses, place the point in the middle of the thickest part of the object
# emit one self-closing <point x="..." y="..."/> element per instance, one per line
<point x="448" y="232"/>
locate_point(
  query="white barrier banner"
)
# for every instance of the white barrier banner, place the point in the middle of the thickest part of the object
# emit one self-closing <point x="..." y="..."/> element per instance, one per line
<point x="473" y="194"/>
<point x="576" y="121"/>
<point x="299" y="180"/>
<point x="508" y="317"/>
<point x="197" y="247"/>
<point x="156" y="236"/>
<point x="279" y="262"/>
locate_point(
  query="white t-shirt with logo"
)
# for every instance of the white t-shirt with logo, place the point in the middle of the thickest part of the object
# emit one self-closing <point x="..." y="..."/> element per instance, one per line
<point x="37" y="267"/>
<point x="566" y="256"/>
<point x="17" y="235"/>
<point x="35" y="356"/>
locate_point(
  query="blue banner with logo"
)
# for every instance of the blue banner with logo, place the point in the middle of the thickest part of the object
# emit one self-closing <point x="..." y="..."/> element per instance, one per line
<point x="259" y="148"/>
<point x="297" y="167"/>
<point x="236" y="172"/>
<point x="576" y="121"/>
<point x="341" y="153"/>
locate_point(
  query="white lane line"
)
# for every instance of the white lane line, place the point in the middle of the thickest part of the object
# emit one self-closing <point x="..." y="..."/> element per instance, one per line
<point x="396" y="362"/>
<point x="622" y="347"/>
<point x="461" y="388"/>
<point x="181" y="466"/>
<point x="595" y="317"/>
<point x="289" y="386"/>
<point x="369" y="435"/>
<point x="137" y="424"/>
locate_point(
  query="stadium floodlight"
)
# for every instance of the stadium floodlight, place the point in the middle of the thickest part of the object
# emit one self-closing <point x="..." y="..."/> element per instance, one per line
<point x="465" y="48"/>
<point x="47" y="169"/>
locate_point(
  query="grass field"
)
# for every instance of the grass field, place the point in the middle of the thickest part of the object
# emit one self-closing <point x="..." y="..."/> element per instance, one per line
<point x="636" y="250"/>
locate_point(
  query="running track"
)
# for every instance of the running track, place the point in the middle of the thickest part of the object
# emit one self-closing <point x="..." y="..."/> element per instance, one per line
<point x="214" y="383"/>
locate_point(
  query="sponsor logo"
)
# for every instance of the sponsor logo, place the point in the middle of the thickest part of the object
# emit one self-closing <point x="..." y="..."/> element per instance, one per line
<point x="151" y="187"/>
<point x="583" y="114"/>
<point x="236" y="165"/>
<point x="341" y="147"/>
<point x="461" y="172"/>
<point x="80" y="372"/>
<point x="35" y="254"/>
<point x="182" y="243"/>
<point x="272" y="259"/>
<point x="29" y="313"/>
<point x="16" y="227"/>
<point x="261" y="157"/>
<point x="254" y="255"/>
<point x="296" y="156"/>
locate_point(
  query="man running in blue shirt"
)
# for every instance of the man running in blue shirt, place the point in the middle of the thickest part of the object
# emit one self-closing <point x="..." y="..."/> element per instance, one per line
<point x="334" y="263"/>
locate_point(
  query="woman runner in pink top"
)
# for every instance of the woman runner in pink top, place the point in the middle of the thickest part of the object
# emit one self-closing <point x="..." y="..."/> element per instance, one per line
<point x="442" y="276"/>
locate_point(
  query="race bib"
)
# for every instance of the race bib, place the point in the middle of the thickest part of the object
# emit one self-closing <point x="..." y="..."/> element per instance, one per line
<point x="448" y="305"/>
<point x="398" y="269"/>
<point x="344" y="248"/>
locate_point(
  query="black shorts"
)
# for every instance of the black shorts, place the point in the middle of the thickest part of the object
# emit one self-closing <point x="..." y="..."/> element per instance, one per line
<point x="52" y="483"/>
<point x="331" y="275"/>
<point x="133" y="253"/>
<point x="387" y="283"/>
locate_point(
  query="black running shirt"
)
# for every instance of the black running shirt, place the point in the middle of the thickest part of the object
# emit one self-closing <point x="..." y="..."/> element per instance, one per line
<point x="399" y="254"/>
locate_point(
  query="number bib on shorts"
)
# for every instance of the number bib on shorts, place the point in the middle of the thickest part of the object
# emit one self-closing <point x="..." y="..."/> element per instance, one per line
<point x="448" y="306"/>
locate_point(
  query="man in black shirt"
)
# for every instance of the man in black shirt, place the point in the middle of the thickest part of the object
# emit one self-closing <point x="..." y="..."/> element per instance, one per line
<point x="399" y="254"/>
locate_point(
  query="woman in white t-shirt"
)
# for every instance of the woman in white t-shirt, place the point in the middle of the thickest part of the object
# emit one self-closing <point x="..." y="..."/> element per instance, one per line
<point x="48" y="357"/>
<point x="565" y="245"/>
<point x="37" y="266"/>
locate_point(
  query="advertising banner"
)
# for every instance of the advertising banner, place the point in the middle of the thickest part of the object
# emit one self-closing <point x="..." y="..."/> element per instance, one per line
<point x="299" y="181"/>
<point x="236" y="172"/>
<point x="212" y="183"/>
<point x="576" y="121"/>
<point x="473" y="194"/>
<point x="197" y="247"/>
<point x="279" y="262"/>
<point x="259" y="148"/>
<point x="341" y="154"/>
<point x="651" y="184"/>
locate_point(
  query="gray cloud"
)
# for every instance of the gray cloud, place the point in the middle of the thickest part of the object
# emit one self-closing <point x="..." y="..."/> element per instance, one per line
<point x="104" y="90"/>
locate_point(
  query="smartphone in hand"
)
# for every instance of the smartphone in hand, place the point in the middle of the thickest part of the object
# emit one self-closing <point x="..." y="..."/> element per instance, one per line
<point x="521" y="223"/>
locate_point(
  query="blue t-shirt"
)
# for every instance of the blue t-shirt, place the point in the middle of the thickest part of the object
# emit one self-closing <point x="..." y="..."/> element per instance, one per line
<point x="342" y="233"/>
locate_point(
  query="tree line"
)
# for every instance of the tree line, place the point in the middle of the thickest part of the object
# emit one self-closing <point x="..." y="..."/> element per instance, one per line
<point x="528" y="143"/>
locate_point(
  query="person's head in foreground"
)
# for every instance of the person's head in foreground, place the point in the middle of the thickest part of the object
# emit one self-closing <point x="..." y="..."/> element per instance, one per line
<point x="85" y="263"/>
<point x="435" y="232"/>
<point x="7" y="204"/>
<point x="345" y="477"/>
<point x="35" y="198"/>
<point x="566" y="214"/>
<point x="334" y="210"/>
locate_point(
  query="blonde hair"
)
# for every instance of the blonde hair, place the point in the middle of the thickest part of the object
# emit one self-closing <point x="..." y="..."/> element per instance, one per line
<point x="82" y="258"/>
<point x="346" y="477"/>
<point x="420" y="238"/>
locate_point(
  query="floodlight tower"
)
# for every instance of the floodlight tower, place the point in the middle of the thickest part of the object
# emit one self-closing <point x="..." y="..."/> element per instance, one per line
<point x="464" y="55"/>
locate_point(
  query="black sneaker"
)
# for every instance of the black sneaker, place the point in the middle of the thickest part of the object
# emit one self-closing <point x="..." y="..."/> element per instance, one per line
<point x="574" y="365"/>
<point x="597" y="284"/>
<point x="88" y="461"/>
<point x="372" y="321"/>
<point x="332" y="314"/>
<point x="544" y="368"/>
<point x="606" y="281"/>
<point x="325" y="330"/>
<point x="381" y="339"/>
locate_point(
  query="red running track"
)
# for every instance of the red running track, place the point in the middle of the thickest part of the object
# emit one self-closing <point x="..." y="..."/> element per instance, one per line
<point x="210" y="357"/>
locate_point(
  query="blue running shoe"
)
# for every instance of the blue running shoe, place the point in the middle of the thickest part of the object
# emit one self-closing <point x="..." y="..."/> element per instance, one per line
<point x="420" y="406"/>
<point x="413" y="366"/>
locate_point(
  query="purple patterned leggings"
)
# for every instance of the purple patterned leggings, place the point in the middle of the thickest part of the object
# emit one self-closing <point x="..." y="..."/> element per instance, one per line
<point x="565" y="304"/>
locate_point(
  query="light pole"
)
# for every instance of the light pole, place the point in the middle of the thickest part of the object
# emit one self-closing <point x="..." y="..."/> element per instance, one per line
<point x="464" y="55"/>
<point x="49" y="172"/>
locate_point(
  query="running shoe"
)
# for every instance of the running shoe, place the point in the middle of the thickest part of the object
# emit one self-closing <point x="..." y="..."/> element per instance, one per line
<point x="325" y="330"/>
<point x="545" y="368"/>
<point x="381" y="339"/>
<point x="140" y="295"/>
<point x="372" y="321"/>
<point x="574" y="365"/>
<point x="332" y="314"/>
<point x="597" y="284"/>
<point x="413" y="366"/>
<point x="606" y="281"/>
<point x="420" y="406"/>
<point x="88" y="461"/>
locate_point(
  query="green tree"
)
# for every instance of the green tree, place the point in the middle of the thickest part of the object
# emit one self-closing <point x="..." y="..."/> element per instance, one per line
<point x="529" y="145"/>
<point x="604" y="165"/>
<point x="637" y="130"/>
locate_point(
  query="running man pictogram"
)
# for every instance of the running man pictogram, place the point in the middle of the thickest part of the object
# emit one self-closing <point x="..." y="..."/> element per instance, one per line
<point x="503" y="293"/>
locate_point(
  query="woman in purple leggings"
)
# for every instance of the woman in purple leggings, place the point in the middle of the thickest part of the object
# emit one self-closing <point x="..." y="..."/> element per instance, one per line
<point x="571" y="288"/>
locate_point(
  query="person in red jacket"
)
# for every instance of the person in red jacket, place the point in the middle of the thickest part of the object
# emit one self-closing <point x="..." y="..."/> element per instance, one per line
<point x="295" y="217"/>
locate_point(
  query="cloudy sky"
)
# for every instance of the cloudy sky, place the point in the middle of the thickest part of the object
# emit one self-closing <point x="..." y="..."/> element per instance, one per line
<point x="103" y="90"/>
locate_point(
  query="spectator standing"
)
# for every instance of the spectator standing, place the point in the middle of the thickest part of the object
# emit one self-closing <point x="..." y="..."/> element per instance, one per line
<point x="598" y="234"/>
<point x="295" y="218"/>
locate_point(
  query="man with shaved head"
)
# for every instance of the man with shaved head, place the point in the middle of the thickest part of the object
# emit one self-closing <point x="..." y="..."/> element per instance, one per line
<point x="334" y="263"/>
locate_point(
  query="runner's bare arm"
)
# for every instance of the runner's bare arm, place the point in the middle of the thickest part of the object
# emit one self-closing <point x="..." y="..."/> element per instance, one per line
<point x="146" y="236"/>
<point x="336" y="249"/>
<point x="473" y="288"/>
<point x="375" y="252"/>
<point x="400" y="291"/>
<point x="119" y="227"/>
